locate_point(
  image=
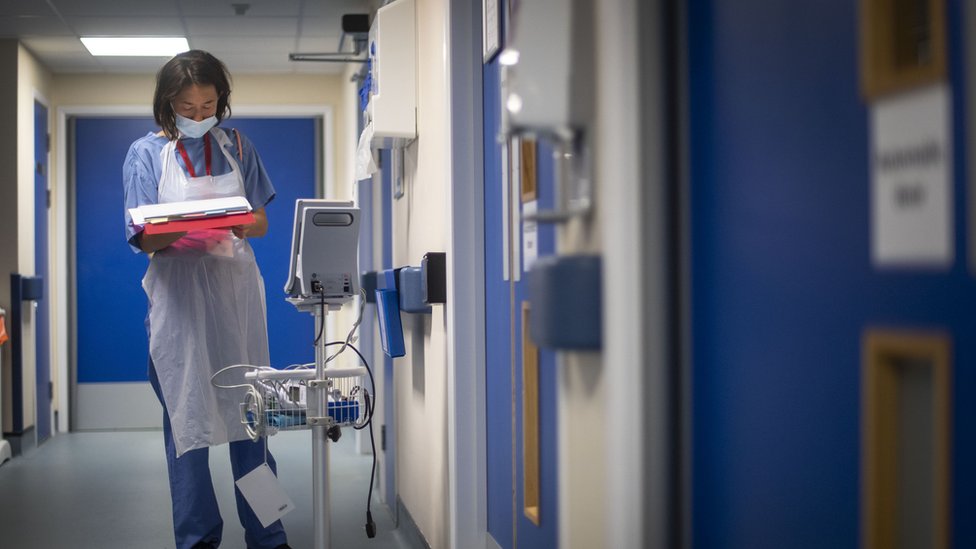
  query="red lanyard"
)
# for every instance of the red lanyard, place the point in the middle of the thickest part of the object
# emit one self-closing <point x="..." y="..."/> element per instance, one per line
<point x="186" y="157"/>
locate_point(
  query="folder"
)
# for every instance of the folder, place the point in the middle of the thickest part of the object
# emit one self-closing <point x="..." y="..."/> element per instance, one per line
<point x="185" y="225"/>
<point x="192" y="215"/>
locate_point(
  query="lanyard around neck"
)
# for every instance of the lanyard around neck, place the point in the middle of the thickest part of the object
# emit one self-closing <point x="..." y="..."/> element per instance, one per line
<point x="186" y="157"/>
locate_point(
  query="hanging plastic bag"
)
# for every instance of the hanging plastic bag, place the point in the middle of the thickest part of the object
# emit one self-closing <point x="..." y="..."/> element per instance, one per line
<point x="365" y="163"/>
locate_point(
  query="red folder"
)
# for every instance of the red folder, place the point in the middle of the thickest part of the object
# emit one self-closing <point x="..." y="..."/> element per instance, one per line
<point x="183" y="225"/>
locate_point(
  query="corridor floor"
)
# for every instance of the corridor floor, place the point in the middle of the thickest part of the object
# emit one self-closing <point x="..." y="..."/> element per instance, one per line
<point x="109" y="490"/>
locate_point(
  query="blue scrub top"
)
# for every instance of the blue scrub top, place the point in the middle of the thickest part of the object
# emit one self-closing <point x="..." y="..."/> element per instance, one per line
<point x="142" y="169"/>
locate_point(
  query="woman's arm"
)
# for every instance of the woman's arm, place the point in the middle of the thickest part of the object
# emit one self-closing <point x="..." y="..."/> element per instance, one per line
<point x="254" y="230"/>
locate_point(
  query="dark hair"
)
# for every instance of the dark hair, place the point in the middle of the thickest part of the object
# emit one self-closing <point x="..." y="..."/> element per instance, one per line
<point x="185" y="69"/>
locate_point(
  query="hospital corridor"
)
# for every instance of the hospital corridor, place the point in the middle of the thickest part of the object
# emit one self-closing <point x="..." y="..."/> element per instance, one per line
<point x="487" y="274"/>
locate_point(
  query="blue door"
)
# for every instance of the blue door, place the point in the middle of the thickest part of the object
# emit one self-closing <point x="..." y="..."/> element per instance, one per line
<point x="111" y="305"/>
<point x="783" y="286"/>
<point x="42" y="203"/>
<point x="509" y="522"/>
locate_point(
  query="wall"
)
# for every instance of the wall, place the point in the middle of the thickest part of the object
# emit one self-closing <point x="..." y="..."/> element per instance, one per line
<point x="27" y="80"/>
<point x="33" y="83"/>
<point x="783" y="285"/>
<point x="9" y="227"/>
<point x="419" y="225"/>
<point x="249" y="90"/>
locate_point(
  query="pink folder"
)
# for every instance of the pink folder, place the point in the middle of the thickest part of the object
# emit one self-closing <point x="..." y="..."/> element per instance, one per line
<point x="216" y="222"/>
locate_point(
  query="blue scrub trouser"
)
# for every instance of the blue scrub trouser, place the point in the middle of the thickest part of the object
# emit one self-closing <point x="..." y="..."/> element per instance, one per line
<point x="196" y="517"/>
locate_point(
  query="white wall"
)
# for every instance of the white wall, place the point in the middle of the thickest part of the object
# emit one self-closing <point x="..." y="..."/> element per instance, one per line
<point x="420" y="223"/>
<point x="33" y="82"/>
<point x="248" y="91"/>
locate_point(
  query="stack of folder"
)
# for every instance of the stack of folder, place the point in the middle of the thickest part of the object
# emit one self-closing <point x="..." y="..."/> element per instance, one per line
<point x="192" y="215"/>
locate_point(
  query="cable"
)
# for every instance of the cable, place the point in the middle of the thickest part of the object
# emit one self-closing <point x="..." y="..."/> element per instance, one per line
<point x="321" y="318"/>
<point x="370" y="405"/>
<point x="355" y="326"/>
<point x="370" y="525"/>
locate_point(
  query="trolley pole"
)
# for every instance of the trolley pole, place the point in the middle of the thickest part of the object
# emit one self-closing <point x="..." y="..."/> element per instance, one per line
<point x="321" y="508"/>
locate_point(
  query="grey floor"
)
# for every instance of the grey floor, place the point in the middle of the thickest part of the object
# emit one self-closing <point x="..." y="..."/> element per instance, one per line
<point x="109" y="490"/>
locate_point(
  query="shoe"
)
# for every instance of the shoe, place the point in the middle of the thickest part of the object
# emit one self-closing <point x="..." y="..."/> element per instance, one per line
<point x="204" y="545"/>
<point x="283" y="546"/>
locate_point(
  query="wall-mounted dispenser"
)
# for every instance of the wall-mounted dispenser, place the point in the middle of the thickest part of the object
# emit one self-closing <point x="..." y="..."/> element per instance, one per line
<point x="433" y="269"/>
<point x="421" y="287"/>
<point x="411" y="288"/>
<point x="391" y="110"/>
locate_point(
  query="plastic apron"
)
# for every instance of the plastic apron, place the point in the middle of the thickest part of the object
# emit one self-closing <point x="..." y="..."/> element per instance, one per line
<point x="206" y="311"/>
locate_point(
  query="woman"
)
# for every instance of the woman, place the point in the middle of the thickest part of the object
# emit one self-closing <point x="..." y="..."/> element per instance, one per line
<point x="206" y="295"/>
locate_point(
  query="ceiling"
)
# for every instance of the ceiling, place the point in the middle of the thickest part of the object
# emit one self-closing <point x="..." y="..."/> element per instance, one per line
<point x="257" y="41"/>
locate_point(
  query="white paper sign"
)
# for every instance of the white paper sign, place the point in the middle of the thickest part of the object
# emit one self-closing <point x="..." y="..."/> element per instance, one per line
<point x="490" y="24"/>
<point x="265" y="495"/>
<point x="530" y="235"/>
<point x="911" y="179"/>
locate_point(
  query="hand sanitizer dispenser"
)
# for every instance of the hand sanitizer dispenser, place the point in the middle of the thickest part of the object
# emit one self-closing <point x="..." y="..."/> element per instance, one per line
<point x="392" y="108"/>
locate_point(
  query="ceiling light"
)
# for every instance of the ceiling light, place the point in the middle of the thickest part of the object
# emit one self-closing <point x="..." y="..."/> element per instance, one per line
<point x="140" y="46"/>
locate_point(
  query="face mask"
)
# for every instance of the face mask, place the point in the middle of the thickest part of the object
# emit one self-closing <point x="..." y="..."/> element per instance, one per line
<point x="191" y="128"/>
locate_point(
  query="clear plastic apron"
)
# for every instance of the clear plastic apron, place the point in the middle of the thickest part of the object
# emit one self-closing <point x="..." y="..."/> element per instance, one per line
<point x="206" y="311"/>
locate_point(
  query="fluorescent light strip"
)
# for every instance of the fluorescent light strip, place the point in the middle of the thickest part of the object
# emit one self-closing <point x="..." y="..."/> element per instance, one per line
<point x="136" y="46"/>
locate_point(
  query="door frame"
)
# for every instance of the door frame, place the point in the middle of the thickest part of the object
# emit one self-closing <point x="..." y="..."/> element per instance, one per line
<point x="644" y="254"/>
<point x="62" y="195"/>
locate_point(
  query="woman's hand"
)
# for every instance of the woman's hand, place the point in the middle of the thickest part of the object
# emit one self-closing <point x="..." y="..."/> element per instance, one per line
<point x="154" y="242"/>
<point x="256" y="229"/>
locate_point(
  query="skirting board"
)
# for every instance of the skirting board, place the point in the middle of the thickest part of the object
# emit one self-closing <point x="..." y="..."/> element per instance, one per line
<point x="408" y="528"/>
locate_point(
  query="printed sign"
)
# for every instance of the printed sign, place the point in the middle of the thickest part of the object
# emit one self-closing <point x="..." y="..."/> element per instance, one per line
<point x="911" y="179"/>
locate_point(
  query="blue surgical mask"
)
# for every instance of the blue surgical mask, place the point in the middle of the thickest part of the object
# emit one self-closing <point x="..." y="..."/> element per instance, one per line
<point x="191" y="128"/>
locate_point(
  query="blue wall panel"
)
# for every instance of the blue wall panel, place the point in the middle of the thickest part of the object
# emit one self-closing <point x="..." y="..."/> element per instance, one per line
<point x="503" y="317"/>
<point x="498" y="357"/>
<point x="111" y="305"/>
<point x="782" y="285"/>
<point x="288" y="148"/>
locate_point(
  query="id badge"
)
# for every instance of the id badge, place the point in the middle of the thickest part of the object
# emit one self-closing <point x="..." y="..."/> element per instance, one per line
<point x="264" y="494"/>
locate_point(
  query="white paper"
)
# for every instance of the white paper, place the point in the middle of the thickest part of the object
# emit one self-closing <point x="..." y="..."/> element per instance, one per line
<point x="491" y="24"/>
<point x="515" y="200"/>
<point x="506" y="271"/>
<point x="265" y="495"/>
<point x="911" y="179"/>
<point x="189" y="208"/>
<point x="530" y="235"/>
